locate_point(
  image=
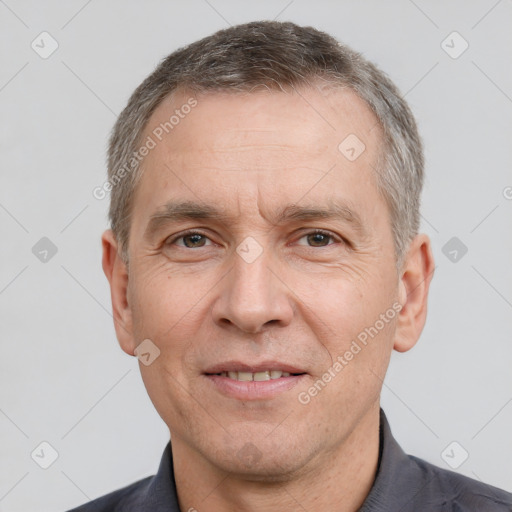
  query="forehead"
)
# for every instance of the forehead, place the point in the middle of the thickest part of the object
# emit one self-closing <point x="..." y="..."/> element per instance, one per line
<point x="307" y="120"/>
<point x="227" y="148"/>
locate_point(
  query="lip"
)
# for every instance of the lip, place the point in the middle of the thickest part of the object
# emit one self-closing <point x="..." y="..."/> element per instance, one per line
<point x="253" y="390"/>
<point x="238" y="366"/>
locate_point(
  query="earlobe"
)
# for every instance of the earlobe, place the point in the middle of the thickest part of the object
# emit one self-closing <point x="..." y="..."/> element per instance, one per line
<point x="414" y="286"/>
<point x="116" y="272"/>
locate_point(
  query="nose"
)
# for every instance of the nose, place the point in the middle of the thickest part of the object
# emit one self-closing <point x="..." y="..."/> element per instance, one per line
<point x="253" y="297"/>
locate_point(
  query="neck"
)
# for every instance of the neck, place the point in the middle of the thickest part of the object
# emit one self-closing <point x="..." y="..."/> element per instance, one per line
<point x="337" y="481"/>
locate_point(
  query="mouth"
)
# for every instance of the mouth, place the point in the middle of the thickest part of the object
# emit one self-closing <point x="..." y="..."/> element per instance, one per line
<point x="262" y="376"/>
<point x="253" y="382"/>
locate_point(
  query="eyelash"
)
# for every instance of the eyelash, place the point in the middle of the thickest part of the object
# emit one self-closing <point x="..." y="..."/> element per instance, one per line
<point x="313" y="232"/>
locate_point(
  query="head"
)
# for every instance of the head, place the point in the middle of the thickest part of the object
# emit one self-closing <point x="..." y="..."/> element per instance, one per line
<point x="264" y="210"/>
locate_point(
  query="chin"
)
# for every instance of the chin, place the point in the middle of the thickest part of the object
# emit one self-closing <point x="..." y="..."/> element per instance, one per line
<point x="264" y="462"/>
<point x="263" y="471"/>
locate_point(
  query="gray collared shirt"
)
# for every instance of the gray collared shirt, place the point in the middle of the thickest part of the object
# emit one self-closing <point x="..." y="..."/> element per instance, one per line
<point x="403" y="483"/>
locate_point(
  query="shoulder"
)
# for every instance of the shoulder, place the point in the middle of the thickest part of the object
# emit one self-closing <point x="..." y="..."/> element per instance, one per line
<point x="126" y="499"/>
<point x="151" y="494"/>
<point x="409" y="484"/>
<point x="451" y="491"/>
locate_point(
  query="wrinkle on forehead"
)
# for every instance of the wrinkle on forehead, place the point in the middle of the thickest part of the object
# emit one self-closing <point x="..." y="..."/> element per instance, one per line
<point x="295" y="136"/>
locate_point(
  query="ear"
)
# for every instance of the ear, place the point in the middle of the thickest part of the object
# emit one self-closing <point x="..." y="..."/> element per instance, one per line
<point x="117" y="275"/>
<point x="417" y="272"/>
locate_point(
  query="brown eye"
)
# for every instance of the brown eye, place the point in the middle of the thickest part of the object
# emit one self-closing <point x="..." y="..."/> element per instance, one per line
<point x="191" y="240"/>
<point x="196" y="240"/>
<point x="318" y="238"/>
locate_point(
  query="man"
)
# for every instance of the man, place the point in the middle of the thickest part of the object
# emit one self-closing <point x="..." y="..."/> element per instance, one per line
<point x="264" y="260"/>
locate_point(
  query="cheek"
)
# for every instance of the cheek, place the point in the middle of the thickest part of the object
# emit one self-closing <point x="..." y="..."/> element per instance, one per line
<point x="354" y="320"/>
<point x="170" y="395"/>
<point x="346" y="303"/>
<point x="165" y="301"/>
<point x="172" y="311"/>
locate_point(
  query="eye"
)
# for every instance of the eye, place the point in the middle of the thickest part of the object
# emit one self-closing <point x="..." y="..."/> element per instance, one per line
<point x="195" y="239"/>
<point x="318" y="238"/>
<point x="191" y="240"/>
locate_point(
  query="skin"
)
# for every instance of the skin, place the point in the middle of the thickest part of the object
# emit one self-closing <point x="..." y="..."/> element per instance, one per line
<point x="302" y="301"/>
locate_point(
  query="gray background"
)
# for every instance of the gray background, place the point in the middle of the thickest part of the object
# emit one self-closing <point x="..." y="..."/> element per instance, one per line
<point x="64" y="379"/>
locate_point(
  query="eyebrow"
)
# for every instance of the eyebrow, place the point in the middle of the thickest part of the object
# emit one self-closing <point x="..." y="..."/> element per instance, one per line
<point x="176" y="211"/>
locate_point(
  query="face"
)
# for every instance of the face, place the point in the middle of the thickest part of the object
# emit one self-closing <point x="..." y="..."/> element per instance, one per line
<point x="249" y="277"/>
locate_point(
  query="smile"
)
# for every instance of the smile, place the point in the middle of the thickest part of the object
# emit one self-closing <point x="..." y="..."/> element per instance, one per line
<point x="253" y="380"/>
<point x="257" y="376"/>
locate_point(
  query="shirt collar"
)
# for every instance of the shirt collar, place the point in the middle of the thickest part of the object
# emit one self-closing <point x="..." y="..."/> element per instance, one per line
<point x="396" y="474"/>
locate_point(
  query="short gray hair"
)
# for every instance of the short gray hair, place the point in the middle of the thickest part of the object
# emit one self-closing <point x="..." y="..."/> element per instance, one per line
<point x="274" y="55"/>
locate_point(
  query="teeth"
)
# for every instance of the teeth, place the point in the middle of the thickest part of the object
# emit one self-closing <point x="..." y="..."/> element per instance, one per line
<point x="261" y="376"/>
<point x="258" y="376"/>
